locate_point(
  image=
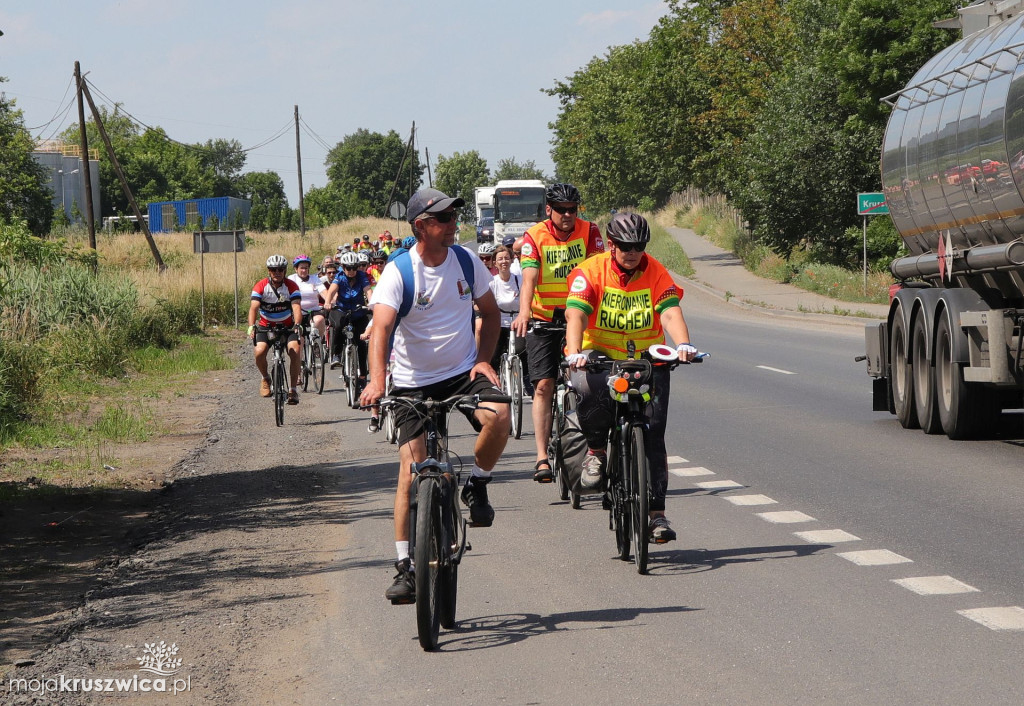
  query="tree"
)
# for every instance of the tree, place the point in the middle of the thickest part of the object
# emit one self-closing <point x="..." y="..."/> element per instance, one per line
<point x="511" y="169"/>
<point x="261" y="187"/>
<point x="24" y="183"/>
<point x="225" y="159"/>
<point x="459" y="174"/>
<point x="364" y="166"/>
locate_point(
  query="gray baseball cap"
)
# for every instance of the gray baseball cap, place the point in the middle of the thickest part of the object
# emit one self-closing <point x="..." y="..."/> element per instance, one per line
<point x="430" y="201"/>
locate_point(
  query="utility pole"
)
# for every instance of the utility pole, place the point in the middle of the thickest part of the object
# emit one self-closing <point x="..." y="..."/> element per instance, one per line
<point x="430" y="179"/>
<point x="90" y="217"/>
<point x="412" y="160"/>
<point x="124" y="182"/>
<point x="298" y="159"/>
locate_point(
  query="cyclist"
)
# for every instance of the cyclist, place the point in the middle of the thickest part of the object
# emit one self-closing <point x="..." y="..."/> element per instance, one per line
<point x="436" y="356"/>
<point x="506" y="287"/>
<point x="485" y="251"/>
<point x="407" y="243"/>
<point x="364" y="245"/>
<point x="377" y="261"/>
<point x="276" y="300"/>
<point x="550" y="250"/>
<point x="311" y="287"/>
<point x="346" y="299"/>
<point x="620" y="296"/>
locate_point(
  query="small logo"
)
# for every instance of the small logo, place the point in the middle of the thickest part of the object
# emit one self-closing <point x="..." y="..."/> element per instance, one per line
<point x="159" y="659"/>
<point x="579" y="284"/>
<point x="600" y="243"/>
<point x="464" y="291"/>
<point x="527" y="250"/>
<point x="423" y="300"/>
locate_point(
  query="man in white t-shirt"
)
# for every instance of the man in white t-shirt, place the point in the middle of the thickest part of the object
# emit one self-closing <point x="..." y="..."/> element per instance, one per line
<point x="436" y="356"/>
<point x="311" y="287"/>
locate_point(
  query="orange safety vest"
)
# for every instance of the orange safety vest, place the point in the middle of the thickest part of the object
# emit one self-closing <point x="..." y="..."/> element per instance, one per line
<point x="619" y="307"/>
<point x="556" y="258"/>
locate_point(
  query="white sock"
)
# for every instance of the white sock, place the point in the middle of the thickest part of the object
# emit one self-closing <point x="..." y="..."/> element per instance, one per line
<point x="479" y="472"/>
<point x="402" y="548"/>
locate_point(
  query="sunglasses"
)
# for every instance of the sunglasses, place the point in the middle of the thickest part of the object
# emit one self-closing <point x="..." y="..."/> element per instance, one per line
<point x="276" y="269"/>
<point x="444" y="216"/>
<point x="349" y="268"/>
<point x="565" y="210"/>
<point x="631" y="247"/>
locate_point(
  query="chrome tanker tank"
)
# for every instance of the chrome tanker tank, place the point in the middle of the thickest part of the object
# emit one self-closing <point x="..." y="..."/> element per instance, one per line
<point x="953" y="164"/>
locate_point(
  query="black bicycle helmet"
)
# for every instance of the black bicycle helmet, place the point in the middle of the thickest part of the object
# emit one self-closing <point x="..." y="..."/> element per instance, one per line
<point x="562" y="193"/>
<point x="628" y="228"/>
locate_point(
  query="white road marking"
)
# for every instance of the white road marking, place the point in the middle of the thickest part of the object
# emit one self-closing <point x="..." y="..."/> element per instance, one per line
<point x="935" y="585"/>
<point x="785" y="517"/>
<point x="677" y="459"/>
<point x="875" y="557"/>
<point x="776" y="370"/>
<point x="690" y="472"/>
<point x="719" y="484"/>
<point x="1007" y="618"/>
<point x="751" y="500"/>
<point x="832" y="536"/>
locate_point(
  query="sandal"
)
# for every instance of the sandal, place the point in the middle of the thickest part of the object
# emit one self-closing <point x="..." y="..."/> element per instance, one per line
<point x="543" y="475"/>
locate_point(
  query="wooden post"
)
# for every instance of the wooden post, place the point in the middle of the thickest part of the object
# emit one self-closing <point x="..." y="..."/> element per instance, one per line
<point x="298" y="159"/>
<point x="90" y="217"/>
<point x="124" y="182"/>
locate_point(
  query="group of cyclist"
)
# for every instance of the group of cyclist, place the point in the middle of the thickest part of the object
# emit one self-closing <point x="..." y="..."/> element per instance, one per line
<point x="570" y="301"/>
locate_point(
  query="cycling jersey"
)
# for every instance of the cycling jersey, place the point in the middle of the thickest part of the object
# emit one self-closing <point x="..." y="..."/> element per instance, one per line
<point x="275" y="302"/>
<point x="310" y="289"/>
<point x="555" y="255"/>
<point x="622" y="307"/>
<point x="350" y="294"/>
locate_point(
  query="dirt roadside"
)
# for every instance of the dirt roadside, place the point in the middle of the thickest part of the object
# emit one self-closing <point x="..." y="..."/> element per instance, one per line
<point x="224" y="561"/>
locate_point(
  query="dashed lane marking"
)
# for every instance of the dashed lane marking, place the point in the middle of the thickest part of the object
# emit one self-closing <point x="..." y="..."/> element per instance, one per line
<point x="719" y="484"/>
<point x="832" y="536"/>
<point x="1006" y="618"/>
<point x="934" y="585"/>
<point x="785" y="517"/>
<point x="677" y="459"/>
<point x="750" y="500"/>
<point x="691" y="472"/>
<point x="875" y="557"/>
<point x="776" y="370"/>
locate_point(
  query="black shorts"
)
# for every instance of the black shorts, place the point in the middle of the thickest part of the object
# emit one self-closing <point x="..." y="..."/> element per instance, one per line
<point x="544" y="351"/>
<point x="261" y="335"/>
<point x="410" y="424"/>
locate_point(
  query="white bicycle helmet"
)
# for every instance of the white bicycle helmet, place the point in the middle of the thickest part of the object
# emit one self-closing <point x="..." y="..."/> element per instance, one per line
<point x="276" y="261"/>
<point x="485" y="249"/>
<point x="349" y="259"/>
<point x="364" y="257"/>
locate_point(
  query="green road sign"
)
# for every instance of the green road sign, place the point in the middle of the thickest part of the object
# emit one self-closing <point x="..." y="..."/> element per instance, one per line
<point x="872" y="204"/>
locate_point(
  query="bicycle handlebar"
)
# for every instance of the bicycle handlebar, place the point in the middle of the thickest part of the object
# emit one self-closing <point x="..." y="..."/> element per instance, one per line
<point x="605" y="363"/>
<point x="447" y="403"/>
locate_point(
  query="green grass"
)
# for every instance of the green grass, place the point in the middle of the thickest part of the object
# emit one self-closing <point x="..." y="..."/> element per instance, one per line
<point x="668" y="252"/>
<point x="195" y="354"/>
<point x="123" y="422"/>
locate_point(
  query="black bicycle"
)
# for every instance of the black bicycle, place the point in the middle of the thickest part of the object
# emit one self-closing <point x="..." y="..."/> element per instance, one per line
<point x="350" y="363"/>
<point x="314" y="354"/>
<point x="511" y="374"/>
<point x="628" y="497"/>
<point x="278" y="337"/>
<point x="563" y="402"/>
<point x="437" y="529"/>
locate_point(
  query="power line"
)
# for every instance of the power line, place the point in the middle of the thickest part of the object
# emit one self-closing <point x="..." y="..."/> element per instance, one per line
<point x="60" y="107"/>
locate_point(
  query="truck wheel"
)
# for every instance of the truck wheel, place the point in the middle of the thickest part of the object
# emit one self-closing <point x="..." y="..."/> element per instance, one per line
<point x="965" y="409"/>
<point x="924" y="382"/>
<point x="902" y="376"/>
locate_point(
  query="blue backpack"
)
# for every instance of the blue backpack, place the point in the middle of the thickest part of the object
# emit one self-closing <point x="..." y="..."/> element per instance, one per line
<point x="403" y="261"/>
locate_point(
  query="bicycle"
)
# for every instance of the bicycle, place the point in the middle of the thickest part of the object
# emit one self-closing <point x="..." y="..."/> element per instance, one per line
<point x="511" y="373"/>
<point x="437" y="529"/>
<point x="627" y="497"/>
<point x="350" y="362"/>
<point x="314" y="354"/>
<point x="563" y="402"/>
<point x="278" y="337"/>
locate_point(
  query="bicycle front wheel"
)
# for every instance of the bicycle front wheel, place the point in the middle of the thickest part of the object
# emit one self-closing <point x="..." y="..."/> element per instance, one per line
<point x="428" y="554"/>
<point x="619" y="511"/>
<point x="516" y="393"/>
<point x="352" y="375"/>
<point x="318" y="366"/>
<point x="640" y="482"/>
<point x="449" y="585"/>
<point x="307" y="364"/>
<point x="280" y="391"/>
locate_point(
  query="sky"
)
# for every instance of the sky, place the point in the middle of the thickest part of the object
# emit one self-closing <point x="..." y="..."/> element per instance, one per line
<point x="470" y="74"/>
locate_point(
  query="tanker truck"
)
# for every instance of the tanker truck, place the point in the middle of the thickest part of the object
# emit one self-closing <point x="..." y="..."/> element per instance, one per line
<point x="948" y="358"/>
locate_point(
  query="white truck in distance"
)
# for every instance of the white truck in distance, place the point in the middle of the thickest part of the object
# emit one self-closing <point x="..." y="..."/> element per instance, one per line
<point x="518" y="204"/>
<point x="483" y="198"/>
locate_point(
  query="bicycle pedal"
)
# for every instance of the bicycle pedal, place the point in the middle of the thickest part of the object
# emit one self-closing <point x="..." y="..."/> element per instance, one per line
<point x="403" y="601"/>
<point x="469" y="546"/>
<point x="545" y="480"/>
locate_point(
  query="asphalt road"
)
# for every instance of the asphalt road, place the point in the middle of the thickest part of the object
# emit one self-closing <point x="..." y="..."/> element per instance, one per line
<point x="745" y="607"/>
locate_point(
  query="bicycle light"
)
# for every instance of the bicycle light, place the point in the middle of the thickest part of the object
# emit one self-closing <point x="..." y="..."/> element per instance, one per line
<point x="620" y="385"/>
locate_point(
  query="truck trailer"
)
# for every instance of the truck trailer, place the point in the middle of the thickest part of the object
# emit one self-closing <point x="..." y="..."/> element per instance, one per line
<point x="948" y="357"/>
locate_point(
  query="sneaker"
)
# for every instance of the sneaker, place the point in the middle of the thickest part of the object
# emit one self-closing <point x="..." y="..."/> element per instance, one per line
<point x="265" y="390"/>
<point x="660" y="531"/>
<point x="545" y="474"/>
<point x="593" y="470"/>
<point x="403" y="590"/>
<point x="474" y="496"/>
<point x="293" y="397"/>
<point x="335" y="362"/>
<point x="374" y="425"/>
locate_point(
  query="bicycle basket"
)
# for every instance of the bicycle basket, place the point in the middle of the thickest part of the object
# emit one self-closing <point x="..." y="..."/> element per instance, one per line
<point x="630" y="378"/>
